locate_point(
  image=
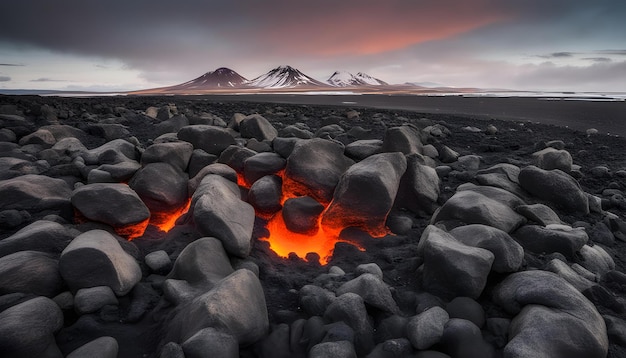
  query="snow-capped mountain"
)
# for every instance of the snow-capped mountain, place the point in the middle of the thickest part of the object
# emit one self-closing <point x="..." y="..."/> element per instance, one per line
<point x="284" y="77"/>
<point x="369" y="80"/>
<point x="346" y="79"/>
<point x="221" y="78"/>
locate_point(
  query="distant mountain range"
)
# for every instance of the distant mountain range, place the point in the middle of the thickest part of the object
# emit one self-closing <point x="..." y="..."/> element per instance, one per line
<point x="279" y="78"/>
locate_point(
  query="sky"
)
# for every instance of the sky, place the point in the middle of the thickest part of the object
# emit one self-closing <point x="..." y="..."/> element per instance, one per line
<point x="115" y="45"/>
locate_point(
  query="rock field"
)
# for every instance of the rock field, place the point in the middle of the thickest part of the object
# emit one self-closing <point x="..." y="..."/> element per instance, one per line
<point x="182" y="227"/>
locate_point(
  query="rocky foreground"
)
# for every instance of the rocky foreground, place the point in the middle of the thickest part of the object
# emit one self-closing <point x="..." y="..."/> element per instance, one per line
<point x="148" y="227"/>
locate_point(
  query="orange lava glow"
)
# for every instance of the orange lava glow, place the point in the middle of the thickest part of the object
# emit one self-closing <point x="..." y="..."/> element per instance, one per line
<point x="283" y="241"/>
<point x="241" y="181"/>
<point x="165" y="221"/>
<point x="132" y="231"/>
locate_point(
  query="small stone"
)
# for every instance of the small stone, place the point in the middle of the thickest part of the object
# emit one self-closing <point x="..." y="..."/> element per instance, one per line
<point x="89" y="300"/>
<point x="158" y="261"/>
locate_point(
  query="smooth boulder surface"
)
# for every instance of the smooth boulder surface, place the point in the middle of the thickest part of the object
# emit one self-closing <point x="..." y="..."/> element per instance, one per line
<point x="262" y="164"/>
<point x="426" y="328"/>
<point x="219" y="344"/>
<point x="265" y="194"/>
<point x="539" y="239"/>
<point x="373" y="291"/>
<point x="508" y="254"/>
<point x="41" y="235"/>
<point x="160" y="186"/>
<point x="366" y="193"/>
<point x="552" y="319"/>
<point x="301" y="214"/>
<point x="405" y="139"/>
<point x="214" y="168"/>
<point x="34" y="193"/>
<point x="203" y="262"/>
<point x="30" y="272"/>
<point x="555" y="187"/>
<point x="95" y="258"/>
<point x="218" y="211"/>
<point x="103" y="347"/>
<point x="211" y="139"/>
<point x="176" y="154"/>
<point x="551" y="158"/>
<point x="27" y="329"/>
<point x="473" y="208"/>
<point x="113" y="204"/>
<point x="451" y="268"/>
<point x="236" y="305"/>
<point x="419" y="187"/>
<point x="256" y="126"/>
<point x="315" y="167"/>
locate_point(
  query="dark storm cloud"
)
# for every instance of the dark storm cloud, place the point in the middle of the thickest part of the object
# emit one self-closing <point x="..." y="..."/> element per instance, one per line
<point x="45" y="79"/>
<point x="5" y="78"/>
<point x="613" y="52"/>
<point x="12" y="64"/>
<point x="558" y="55"/>
<point x="597" y="59"/>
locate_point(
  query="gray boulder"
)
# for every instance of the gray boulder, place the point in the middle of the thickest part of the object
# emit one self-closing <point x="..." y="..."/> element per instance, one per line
<point x="119" y="172"/>
<point x="113" y="204"/>
<point x="220" y="169"/>
<point x="314" y="299"/>
<point x="500" y="195"/>
<point x="426" y="329"/>
<point x="40" y="137"/>
<point x="211" y="139"/>
<point x="218" y="211"/>
<point x="34" y="193"/>
<point x="103" y="347"/>
<point x="109" y="131"/>
<point x="551" y="158"/>
<point x="265" y="194"/>
<point x="405" y="139"/>
<point x="202" y="263"/>
<point x="366" y="193"/>
<point x="596" y="259"/>
<point x="471" y="207"/>
<point x="256" y="126"/>
<point x="219" y="344"/>
<point x="508" y="254"/>
<point x="315" y="167"/>
<point x="301" y="215"/>
<point x="112" y="152"/>
<point x="552" y="318"/>
<point x="158" y="261"/>
<point x="339" y="349"/>
<point x="350" y="309"/>
<point x="373" y="291"/>
<point x="361" y="149"/>
<point x="262" y="164"/>
<point x="177" y="154"/>
<point x="555" y="187"/>
<point x="30" y="272"/>
<point x="42" y="235"/>
<point x="92" y="299"/>
<point x="562" y="239"/>
<point x="539" y="213"/>
<point x="28" y="329"/>
<point x="235" y="157"/>
<point x="451" y="268"/>
<point x="568" y="274"/>
<point x="419" y="187"/>
<point x="236" y="305"/>
<point x="95" y="258"/>
<point x="161" y="187"/>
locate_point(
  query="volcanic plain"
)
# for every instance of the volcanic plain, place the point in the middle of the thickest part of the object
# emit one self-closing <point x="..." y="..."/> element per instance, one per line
<point x="299" y="226"/>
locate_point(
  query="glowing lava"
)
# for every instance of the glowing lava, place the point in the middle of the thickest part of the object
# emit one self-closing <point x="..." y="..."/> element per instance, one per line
<point x="165" y="221"/>
<point x="283" y="241"/>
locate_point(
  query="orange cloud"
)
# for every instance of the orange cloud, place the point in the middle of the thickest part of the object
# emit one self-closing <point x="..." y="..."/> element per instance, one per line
<point x="376" y="26"/>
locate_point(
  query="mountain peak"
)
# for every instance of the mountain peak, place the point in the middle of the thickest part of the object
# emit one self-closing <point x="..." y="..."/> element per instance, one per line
<point x="346" y="79"/>
<point x="285" y="76"/>
<point x="222" y="77"/>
